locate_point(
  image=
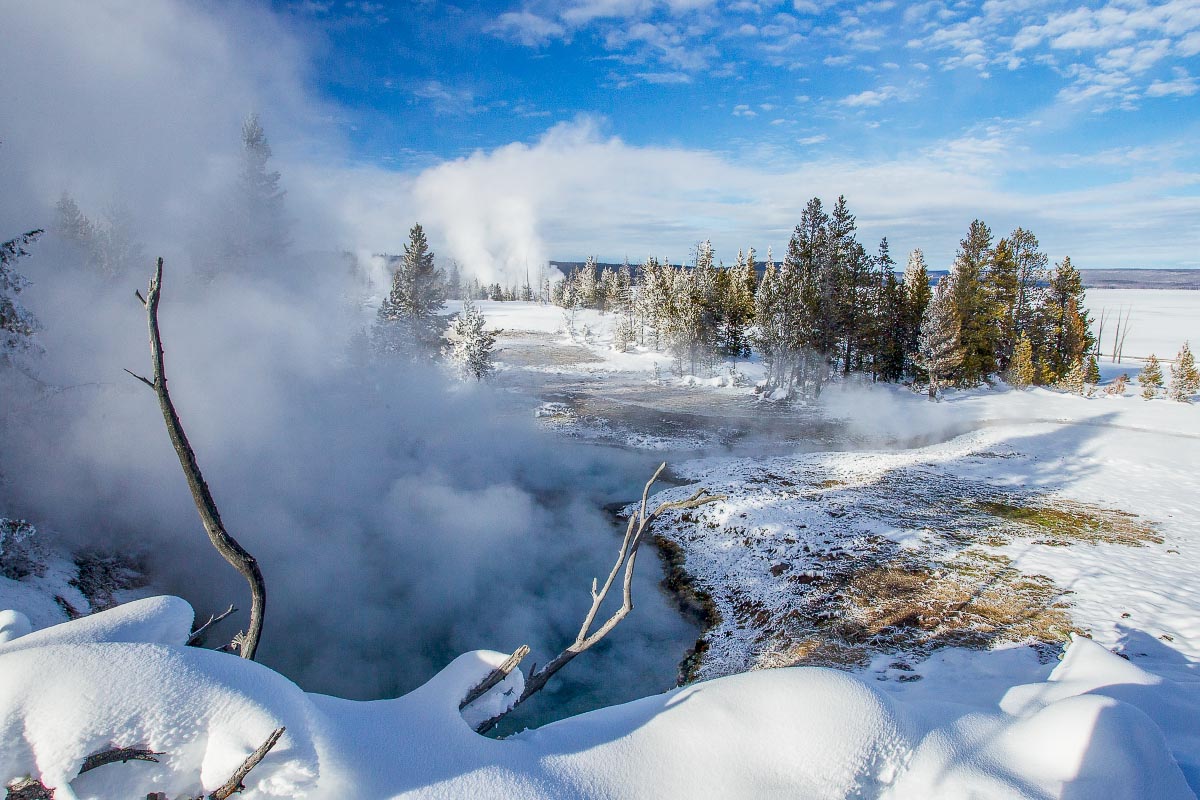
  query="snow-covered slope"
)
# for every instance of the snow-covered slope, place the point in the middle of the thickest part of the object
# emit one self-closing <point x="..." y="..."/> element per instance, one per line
<point x="1095" y="728"/>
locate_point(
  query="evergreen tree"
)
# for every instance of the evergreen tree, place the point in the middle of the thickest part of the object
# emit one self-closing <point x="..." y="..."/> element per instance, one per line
<point x="770" y="336"/>
<point x="1020" y="366"/>
<point x="1092" y="370"/>
<point x="939" y="351"/>
<point x="1065" y="319"/>
<point x="586" y="284"/>
<point x="884" y="318"/>
<point x="117" y="247"/>
<point x="73" y="227"/>
<point x="1073" y="381"/>
<point x="408" y="321"/>
<point x="891" y="333"/>
<point x="1031" y="275"/>
<point x="471" y="351"/>
<point x="916" y="299"/>
<point x="17" y="324"/>
<point x="1185" y="379"/>
<point x="972" y="305"/>
<point x="1151" y="378"/>
<point x="255" y="225"/>
<point x="454" y="288"/>
<point x="1003" y="288"/>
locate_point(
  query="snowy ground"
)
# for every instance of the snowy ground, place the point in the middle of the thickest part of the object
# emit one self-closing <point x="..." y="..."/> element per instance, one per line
<point x="940" y="556"/>
<point x="1159" y="320"/>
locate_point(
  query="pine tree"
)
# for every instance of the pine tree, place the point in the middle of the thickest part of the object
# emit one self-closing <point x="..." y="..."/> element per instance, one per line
<point x="1065" y="319"/>
<point x="407" y="321"/>
<point x="1020" y="366"/>
<point x="916" y="299"/>
<point x="973" y="306"/>
<point x="1151" y="378"/>
<point x="1092" y="370"/>
<point x="1073" y="380"/>
<point x="1002" y="286"/>
<point x="586" y="284"/>
<point x="939" y="351"/>
<point x="73" y="227"/>
<point x="1185" y="379"/>
<point x="255" y="225"/>
<point x="471" y="351"/>
<point x="454" y="287"/>
<point x="17" y="324"/>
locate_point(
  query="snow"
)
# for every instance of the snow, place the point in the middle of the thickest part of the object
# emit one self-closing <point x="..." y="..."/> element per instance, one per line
<point x="1115" y="718"/>
<point x="1159" y="319"/>
<point x="1096" y="724"/>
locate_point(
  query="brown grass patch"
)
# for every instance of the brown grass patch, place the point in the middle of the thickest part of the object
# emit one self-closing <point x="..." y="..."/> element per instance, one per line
<point x="1068" y="522"/>
<point x="973" y="600"/>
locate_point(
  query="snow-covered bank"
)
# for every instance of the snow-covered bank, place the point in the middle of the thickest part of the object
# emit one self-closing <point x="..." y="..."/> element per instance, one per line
<point x="1097" y="727"/>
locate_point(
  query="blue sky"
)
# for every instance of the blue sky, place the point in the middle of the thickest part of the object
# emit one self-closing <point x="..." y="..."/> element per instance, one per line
<point x="531" y="129"/>
<point x="800" y="79"/>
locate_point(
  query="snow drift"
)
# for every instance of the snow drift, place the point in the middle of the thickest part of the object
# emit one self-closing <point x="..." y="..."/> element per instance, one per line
<point x="1098" y="727"/>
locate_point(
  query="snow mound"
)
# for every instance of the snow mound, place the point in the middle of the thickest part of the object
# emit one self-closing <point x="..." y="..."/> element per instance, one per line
<point x="161" y="620"/>
<point x="1057" y="739"/>
<point x="1094" y="729"/>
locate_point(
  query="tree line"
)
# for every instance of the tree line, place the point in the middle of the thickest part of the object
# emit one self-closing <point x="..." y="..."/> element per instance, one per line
<point x="831" y="307"/>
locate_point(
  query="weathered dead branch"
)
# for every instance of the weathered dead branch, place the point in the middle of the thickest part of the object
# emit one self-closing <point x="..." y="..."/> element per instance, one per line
<point x="639" y="523"/>
<point x="27" y="789"/>
<point x="121" y="754"/>
<point x="225" y="544"/>
<point x="495" y="676"/>
<point x="213" y="619"/>
<point x="234" y="784"/>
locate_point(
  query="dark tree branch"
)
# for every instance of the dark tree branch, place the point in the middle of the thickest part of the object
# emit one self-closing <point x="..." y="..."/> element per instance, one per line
<point x="234" y="784"/>
<point x="225" y="544"/>
<point x="639" y="523"/>
<point x="213" y="619"/>
<point x="116" y="754"/>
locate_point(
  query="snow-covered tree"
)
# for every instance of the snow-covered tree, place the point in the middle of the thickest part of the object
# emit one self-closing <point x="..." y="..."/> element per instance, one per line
<point x="1020" y="366"/>
<point x="939" y="351"/>
<point x="17" y="324"/>
<point x="1074" y="380"/>
<point x="471" y="350"/>
<point x="1118" y="386"/>
<point x="1091" y="369"/>
<point x="1151" y="377"/>
<point x="408" y="321"/>
<point x="1185" y="379"/>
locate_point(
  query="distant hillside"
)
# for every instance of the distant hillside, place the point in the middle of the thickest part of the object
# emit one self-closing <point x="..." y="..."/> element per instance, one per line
<point x="1092" y="278"/>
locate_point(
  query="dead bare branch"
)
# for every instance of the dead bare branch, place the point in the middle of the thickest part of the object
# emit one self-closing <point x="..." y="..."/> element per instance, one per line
<point x="225" y="544"/>
<point x="146" y="381"/>
<point x="213" y="619"/>
<point x="495" y="676"/>
<point x="639" y="523"/>
<point x="234" y="784"/>
<point x="28" y="789"/>
<point x="121" y="754"/>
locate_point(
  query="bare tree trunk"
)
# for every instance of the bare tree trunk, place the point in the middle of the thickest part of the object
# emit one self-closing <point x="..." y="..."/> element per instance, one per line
<point x="225" y="544"/>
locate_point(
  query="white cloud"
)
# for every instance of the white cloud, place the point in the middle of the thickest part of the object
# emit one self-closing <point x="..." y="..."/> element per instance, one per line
<point x="1182" y="86"/>
<point x="743" y="110"/>
<point x="870" y="97"/>
<point x="527" y="28"/>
